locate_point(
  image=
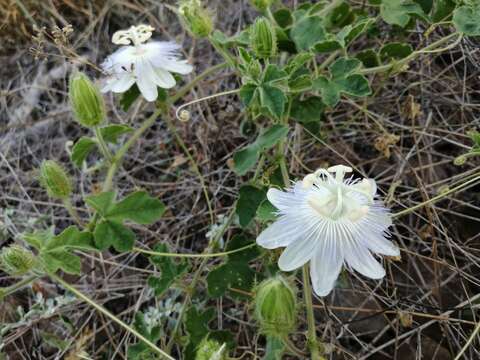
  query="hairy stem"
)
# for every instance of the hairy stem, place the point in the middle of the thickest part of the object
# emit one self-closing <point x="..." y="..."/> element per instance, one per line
<point x="112" y="317"/>
<point x="17" y="286"/>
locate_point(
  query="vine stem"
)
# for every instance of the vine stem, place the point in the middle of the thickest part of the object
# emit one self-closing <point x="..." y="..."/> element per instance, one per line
<point x="17" y="286"/>
<point x="204" y="255"/>
<point x="112" y="317"/>
<point x="312" y="333"/>
<point x="102" y="144"/>
<point x="67" y="203"/>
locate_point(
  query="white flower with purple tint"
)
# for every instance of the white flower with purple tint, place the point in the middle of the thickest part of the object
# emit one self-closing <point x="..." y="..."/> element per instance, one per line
<point x="147" y="64"/>
<point x="330" y="221"/>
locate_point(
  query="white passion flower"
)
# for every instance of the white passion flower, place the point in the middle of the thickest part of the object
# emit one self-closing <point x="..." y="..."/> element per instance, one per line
<point x="147" y="64"/>
<point x="330" y="221"/>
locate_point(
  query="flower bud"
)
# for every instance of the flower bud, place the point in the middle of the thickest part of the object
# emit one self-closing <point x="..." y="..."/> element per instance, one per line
<point x="86" y="101"/>
<point x="460" y="160"/>
<point x="55" y="180"/>
<point x="263" y="39"/>
<point x="276" y="307"/>
<point x="196" y="18"/>
<point x="16" y="260"/>
<point x="261" y="5"/>
<point x="210" y="349"/>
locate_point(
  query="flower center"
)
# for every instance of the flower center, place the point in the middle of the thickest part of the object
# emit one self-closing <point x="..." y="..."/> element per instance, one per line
<point x="136" y="35"/>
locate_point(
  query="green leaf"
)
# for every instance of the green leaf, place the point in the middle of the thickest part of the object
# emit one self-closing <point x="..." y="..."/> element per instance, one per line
<point x="247" y="93"/>
<point x="369" y="58"/>
<point x="396" y="51"/>
<point x="343" y="80"/>
<point x="275" y="348"/>
<point x="102" y="202"/>
<point x="399" y="12"/>
<point x="140" y="350"/>
<point x="235" y="273"/>
<point x="109" y="233"/>
<point x="111" y="133"/>
<point x="81" y="149"/>
<point x="301" y="83"/>
<point x="307" y="32"/>
<point x="56" y="252"/>
<point x="283" y="17"/>
<point x="129" y="97"/>
<point x="139" y="207"/>
<point x="466" y="19"/>
<point x="272" y="100"/>
<point x="249" y="200"/>
<point x="169" y="270"/>
<point x="266" y="211"/>
<point x="442" y="10"/>
<point x="246" y="158"/>
<point x="196" y="326"/>
<point x="308" y="110"/>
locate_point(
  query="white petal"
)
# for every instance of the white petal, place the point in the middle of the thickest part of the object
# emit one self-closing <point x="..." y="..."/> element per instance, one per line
<point x="282" y="200"/>
<point x="300" y="251"/>
<point x="361" y="259"/>
<point x="176" y="66"/>
<point x="326" y="265"/>
<point x="378" y="244"/>
<point x="145" y="80"/>
<point x="164" y="79"/>
<point x="280" y="234"/>
<point x="119" y="84"/>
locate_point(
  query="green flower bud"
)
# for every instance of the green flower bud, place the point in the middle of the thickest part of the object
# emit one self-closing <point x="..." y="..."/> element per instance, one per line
<point x="195" y="18"/>
<point x="263" y="39"/>
<point x="16" y="260"/>
<point x="211" y="350"/>
<point x="86" y="101"/>
<point x="55" y="180"/>
<point x="276" y="307"/>
<point x="460" y="160"/>
<point x="261" y="5"/>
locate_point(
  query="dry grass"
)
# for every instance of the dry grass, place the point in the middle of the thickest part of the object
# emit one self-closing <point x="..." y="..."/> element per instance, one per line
<point x="426" y="307"/>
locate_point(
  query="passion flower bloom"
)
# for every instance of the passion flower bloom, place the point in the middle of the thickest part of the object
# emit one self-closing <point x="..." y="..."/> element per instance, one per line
<point x="330" y="221"/>
<point x="147" y="64"/>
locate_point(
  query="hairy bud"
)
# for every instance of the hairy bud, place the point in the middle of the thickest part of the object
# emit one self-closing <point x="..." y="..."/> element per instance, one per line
<point x="55" y="180"/>
<point x="86" y="101"/>
<point x="196" y="18"/>
<point x="211" y="350"/>
<point x="263" y="39"/>
<point x="261" y="5"/>
<point x="276" y="307"/>
<point x="460" y="160"/>
<point x="16" y="260"/>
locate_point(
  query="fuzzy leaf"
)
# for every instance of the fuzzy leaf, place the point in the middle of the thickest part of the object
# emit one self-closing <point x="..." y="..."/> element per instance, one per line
<point x="111" y="133"/>
<point x="395" y="50"/>
<point x="466" y="19"/>
<point x="110" y="233"/>
<point x="246" y="158"/>
<point x="101" y="202"/>
<point x="140" y="350"/>
<point x="129" y="97"/>
<point x="196" y="326"/>
<point x="139" y="207"/>
<point x="307" y="31"/>
<point x="307" y="110"/>
<point x="249" y="200"/>
<point x="169" y="269"/>
<point x="81" y="149"/>
<point x="399" y="12"/>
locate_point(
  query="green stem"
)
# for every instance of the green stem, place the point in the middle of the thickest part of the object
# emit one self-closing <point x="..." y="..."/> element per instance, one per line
<point x="211" y="255"/>
<point x="102" y="144"/>
<point x="313" y="344"/>
<point x="413" y="55"/>
<point x="112" y="317"/>
<point x="4" y="292"/>
<point x="67" y="203"/>
<point x="196" y="277"/>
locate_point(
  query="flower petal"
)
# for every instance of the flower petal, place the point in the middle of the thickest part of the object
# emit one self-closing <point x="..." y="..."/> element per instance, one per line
<point x="361" y="259"/>
<point x="176" y="66"/>
<point x="300" y="251"/>
<point x="380" y="245"/>
<point x="164" y="79"/>
<point x="119" y="84"/>
<point x="145" y="79"/>
<point x="280" y="234"/>
<point x="325" y="265"/>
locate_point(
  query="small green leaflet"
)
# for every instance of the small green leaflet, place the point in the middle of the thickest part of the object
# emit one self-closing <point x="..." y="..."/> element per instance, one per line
<point x="307" y="31"/>
<point x="81" y="149"/>
<point x="344" y="80"/>
<point x="308" y="110"/>
<point x="56" y="251"/>
<point x="235" y="273"/>
<point x="169" y="270"/>
<point x="138" y="207"/>
<point x="248" y="202"/>
<point x="85" y="145"/>
<point x="467" y="19"/>
<point x="399" y="12"/>
<point x="267" y="94"/>
<point x="246" y="158"/>
<point x="140" y="350"/>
